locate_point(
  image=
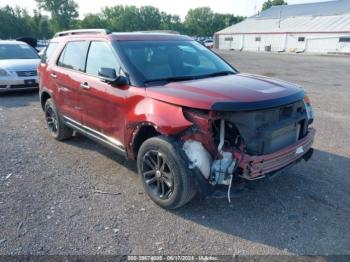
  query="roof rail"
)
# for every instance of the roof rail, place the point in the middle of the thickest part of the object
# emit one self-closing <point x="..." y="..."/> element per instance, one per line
<point x="83" y="32"/>
<point x="160" y="32"/>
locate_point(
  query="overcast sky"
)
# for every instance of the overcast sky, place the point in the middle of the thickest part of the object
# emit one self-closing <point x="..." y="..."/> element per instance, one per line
<point x="180" y="7"/>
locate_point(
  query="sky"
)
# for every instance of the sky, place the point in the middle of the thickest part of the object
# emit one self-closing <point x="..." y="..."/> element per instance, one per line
<point x="179" y="7"/>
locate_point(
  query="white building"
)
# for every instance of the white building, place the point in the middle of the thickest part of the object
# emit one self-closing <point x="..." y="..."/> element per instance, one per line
<point x="317" y="27"/>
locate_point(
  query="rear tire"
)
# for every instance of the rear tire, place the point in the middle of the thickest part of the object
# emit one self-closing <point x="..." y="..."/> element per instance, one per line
<point x="164" y="174"/>
<point x="55" y="125"/>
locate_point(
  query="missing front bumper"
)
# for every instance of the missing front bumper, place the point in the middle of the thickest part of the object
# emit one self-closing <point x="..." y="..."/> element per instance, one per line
<point x="254" y="167"/>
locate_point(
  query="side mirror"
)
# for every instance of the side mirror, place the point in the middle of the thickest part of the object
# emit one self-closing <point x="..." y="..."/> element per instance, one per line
<point x="109" y="75"/>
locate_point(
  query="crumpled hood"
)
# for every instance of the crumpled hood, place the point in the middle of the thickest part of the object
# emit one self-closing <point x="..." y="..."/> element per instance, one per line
<point x="231" y="92"/>
<point x="13" y="65"/>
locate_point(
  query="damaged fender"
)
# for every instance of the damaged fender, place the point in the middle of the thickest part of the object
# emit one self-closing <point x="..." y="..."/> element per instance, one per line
<point x="167" y="119"/>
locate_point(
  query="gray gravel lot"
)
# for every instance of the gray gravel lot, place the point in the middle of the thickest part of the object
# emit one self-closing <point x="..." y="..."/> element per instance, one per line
<point x="51" y="200"/>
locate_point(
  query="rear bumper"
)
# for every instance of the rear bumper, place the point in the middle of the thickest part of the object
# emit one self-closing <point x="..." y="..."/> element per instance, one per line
<point x="257" y="166"/>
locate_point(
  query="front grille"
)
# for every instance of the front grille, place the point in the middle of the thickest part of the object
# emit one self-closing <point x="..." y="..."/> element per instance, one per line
<point x="26" y="73"/>
<point x="2" y="86"/>
<point x="24" y="86"/>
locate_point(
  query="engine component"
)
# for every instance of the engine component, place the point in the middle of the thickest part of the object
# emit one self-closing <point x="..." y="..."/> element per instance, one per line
<point x="222" y="136"/>
<point x="222" y="169"/>
<point x="198" y="156"/>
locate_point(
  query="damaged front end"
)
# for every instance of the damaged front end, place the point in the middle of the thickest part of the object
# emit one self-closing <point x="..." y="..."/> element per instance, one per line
<point x="228" y="147"/>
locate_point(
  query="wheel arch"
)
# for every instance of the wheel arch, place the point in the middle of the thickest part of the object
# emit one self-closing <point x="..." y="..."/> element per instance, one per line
<point x="143" y="132"/>
<point x="44" y="96"/>
<point x="151" y="118"/>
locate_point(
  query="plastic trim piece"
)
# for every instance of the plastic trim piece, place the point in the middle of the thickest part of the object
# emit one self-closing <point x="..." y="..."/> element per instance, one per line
<point x="257" y="105"/>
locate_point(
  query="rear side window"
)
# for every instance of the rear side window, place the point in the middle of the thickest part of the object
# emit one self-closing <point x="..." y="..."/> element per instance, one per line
<point x="48" y="52"/>
<point x="74" y="55"/>
<point x="100" y="55"/>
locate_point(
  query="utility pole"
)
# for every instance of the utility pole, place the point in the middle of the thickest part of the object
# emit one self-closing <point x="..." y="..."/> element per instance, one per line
<point x="279" y="20"/>
<point x="255" y="9"/>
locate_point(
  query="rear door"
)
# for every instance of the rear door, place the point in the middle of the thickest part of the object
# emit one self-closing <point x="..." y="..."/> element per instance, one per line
<point x="68" y="75"/>
<point x="44" y="71"/>
<point x="102" y="104"/>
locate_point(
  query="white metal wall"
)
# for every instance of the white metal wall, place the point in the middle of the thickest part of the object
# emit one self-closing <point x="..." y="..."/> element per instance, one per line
<point x="277" y="42"/>
<point x="325" y="44"/>
<point x="231" y="42"/>
<point x="313" y="43"/>
<point x="344" y="47"/>
<point x="294" y="45"/>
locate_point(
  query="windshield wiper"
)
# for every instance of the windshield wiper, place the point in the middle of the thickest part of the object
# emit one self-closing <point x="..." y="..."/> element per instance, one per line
<point x="184" y="78"/>
<point x="170" y="79"/>
<point x="221" y="73"/>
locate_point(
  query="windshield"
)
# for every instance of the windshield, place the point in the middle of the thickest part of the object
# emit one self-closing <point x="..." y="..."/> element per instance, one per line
<point x="14" y="51"/>
<point x="165" y="61"/>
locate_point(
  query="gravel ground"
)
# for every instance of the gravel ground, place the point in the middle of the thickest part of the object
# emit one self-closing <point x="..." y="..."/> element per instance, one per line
<point x="52" y="197"/>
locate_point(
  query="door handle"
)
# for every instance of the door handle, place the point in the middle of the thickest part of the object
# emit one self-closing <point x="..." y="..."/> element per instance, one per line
<point x="85" y="86"/>
<point x="53" y="75"/>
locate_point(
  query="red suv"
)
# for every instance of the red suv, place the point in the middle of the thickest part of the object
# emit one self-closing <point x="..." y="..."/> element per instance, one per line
<point x="192" y="121"/>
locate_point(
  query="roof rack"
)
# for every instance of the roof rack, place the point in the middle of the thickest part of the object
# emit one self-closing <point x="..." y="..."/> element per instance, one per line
<point x="83" y="32"/>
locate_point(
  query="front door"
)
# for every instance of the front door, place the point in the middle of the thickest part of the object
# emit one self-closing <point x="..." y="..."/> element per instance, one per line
<point x="102" y="109"/>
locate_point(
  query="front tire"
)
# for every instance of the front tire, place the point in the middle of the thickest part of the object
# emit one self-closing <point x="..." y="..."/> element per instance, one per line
<point x="55" y="125"/>
<point x="164" y="174"/>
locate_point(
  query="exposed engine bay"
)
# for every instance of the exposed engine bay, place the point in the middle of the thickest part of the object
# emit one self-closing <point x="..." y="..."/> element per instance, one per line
<point x="264" y="131"/>
<point x="247" y="144"/>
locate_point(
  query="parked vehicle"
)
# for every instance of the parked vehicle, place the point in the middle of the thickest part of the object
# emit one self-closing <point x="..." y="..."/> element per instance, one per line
<point x="18" y="66"/>
<point x="208" y="43"/>
<point x="38" y="45"/>
<point x="192" y="121"/>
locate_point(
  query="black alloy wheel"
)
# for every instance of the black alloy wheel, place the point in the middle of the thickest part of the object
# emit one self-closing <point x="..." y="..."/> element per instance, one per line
<point x="55" y="124"/>
<point x="157" y="174"/>
<point x="164" y="174"/>
<point x="51" y="120"/>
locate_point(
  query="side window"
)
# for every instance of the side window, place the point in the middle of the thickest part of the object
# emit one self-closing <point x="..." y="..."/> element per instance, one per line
<point x="100" y="55"/>
<point x="74" y="55"/>
<point x="49" y="51"/>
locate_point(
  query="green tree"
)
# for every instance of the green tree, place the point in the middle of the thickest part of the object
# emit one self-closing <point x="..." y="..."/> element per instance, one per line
<point x="123" y="18"/>
<point x="150" y="18"/>
<point x="203" y="21"/>
<point x="221" y="21"/>
<point x="45" y="29"/>
<point x="171" y="22"/>
<point x="93" y="21"/>
<point x="63" y="13"/>
<point x="199" y="21"/>
<point x="40" y="25"/>
<point x="270" y="3"/>
<point x="15" y="22"/>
